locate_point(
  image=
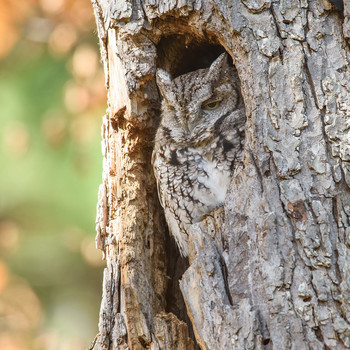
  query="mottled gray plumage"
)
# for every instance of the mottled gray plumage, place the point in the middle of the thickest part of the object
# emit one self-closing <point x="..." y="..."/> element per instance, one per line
<point x="198" y="143"/>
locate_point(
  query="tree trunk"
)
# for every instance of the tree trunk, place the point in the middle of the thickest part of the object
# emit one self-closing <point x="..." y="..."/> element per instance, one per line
<point x="271" y="269"/>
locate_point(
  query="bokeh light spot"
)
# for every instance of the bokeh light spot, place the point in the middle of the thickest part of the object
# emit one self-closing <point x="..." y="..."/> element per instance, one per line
<point x="84" y="62"/>
<point x="62" y="39"/>
<point x="76" y="97"/>
<point x="54" y="128"/>
<point x="16" y="139"/>
<point x="52" y="6"/>
<point x="9" y="235"/>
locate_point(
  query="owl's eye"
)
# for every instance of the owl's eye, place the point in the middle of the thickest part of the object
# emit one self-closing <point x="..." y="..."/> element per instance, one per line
<point x="211" y="105"/>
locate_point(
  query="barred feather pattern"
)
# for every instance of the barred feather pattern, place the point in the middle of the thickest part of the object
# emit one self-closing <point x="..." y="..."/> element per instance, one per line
<point x="198" y="144"/>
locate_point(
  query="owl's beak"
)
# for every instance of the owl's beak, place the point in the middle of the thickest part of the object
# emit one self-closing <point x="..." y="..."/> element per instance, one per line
<point x="191" y="123"/>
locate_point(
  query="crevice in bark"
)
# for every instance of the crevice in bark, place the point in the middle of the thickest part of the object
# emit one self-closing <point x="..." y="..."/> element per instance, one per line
<point x="319" y="336"/>
<point x="225" y="276"/>
<point x="258" y="171"/>
<point x="278" y="31"/>
<point x="177" y="265"/>
<point x="274" y="15"/>
<point x="264" y="331"/>
<point x="175" y="303"/>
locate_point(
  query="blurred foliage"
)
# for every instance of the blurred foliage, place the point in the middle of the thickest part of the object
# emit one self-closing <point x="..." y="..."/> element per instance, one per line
<point x="52" y="97"/>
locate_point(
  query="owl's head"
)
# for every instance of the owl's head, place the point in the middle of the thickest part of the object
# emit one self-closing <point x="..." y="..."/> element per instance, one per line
<point x="194" y="103"/>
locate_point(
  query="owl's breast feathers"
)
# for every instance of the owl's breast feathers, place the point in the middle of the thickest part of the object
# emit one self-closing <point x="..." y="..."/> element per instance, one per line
<point x="200" y="173"/>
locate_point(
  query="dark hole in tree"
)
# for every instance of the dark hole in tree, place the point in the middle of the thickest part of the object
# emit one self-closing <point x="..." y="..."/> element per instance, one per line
<point x="179" y="54"/>
<point x="266" y="341"/>
<point x="177" y="265"/>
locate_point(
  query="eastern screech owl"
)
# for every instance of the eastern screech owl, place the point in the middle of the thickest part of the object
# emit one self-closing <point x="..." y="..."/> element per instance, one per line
<point x="198" y="143"/>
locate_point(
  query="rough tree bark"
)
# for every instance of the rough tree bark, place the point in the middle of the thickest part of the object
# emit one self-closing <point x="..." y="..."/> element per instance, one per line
<point x="270" y="270"/>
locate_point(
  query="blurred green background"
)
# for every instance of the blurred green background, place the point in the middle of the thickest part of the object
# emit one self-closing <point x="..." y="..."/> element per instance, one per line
<point x="52" y="97"/>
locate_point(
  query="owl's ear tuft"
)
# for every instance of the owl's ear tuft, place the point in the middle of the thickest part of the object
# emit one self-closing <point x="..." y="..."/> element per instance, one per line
<point x="163" y="81"/>
<point x="218" y="67"/>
